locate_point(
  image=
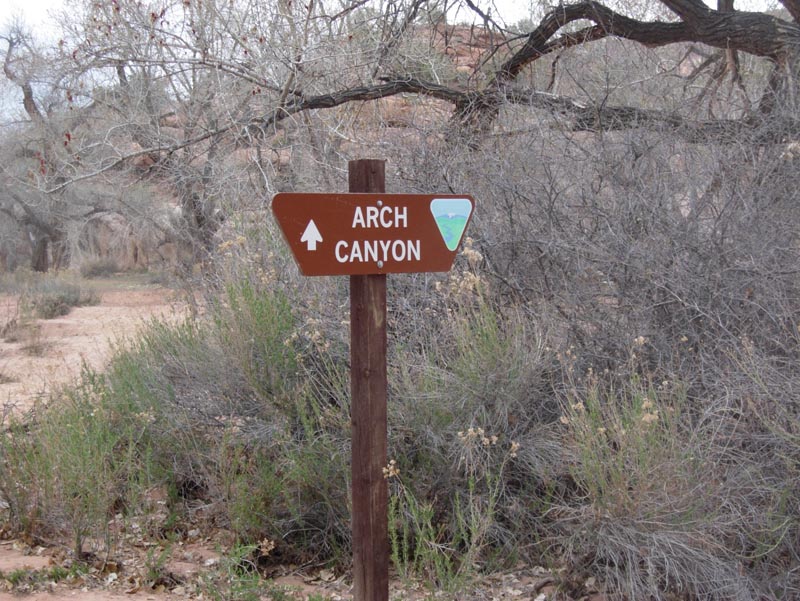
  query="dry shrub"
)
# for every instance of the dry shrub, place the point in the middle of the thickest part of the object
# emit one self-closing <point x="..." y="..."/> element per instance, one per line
<point x="648" y="259"/>
<point x="99" y="268"/>
<point x="233" y="426"/>
<point x="72" y="466"/>
<point x="653" y="517"/>
<point x="50" y="296"/>
<point x="606" y="268"/>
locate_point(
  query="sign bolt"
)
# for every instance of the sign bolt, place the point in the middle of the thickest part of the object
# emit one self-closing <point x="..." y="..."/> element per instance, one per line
<point x="380" y="264"/>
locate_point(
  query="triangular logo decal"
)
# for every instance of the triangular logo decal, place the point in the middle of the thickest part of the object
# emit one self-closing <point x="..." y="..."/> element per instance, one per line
<point x="451" y="216"/>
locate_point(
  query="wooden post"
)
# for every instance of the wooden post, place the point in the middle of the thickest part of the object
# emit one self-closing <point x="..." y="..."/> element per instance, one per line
<point x="368" y="413"/>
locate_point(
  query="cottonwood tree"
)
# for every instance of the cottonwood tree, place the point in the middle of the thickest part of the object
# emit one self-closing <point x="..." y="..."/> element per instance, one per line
<point x="175" y="89"/>
<point x="36" y="155"/>
<point x="48" y="146"/>
<point x="276" y="61"/>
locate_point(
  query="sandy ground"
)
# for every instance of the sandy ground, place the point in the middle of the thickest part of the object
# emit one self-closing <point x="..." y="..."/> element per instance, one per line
<point x="46" y="354"/>
<point x="186" y="563"/>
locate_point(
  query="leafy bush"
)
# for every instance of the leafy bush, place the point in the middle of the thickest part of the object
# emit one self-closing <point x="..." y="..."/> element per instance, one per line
<point x="21" y="478"/>
<point x="231" y="422"/>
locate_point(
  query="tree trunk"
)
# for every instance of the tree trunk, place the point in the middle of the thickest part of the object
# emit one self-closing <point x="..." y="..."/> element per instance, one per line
<point x="60" y="254"/>
<point x="39" y="259"/>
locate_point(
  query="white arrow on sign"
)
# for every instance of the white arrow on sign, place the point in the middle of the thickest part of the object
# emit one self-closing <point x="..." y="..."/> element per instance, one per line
<point x="311" y="236"/>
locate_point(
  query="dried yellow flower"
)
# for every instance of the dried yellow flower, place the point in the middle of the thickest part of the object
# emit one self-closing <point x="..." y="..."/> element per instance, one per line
<point x="391" y="470"/>
<point x="649" y="418"/>
<point x="472" y="256"/>
<point x="266" y="546"/>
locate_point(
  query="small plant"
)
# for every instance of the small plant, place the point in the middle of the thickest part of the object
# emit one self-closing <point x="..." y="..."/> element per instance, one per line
<point x="20" y="577"/>
<point x="447" y="549"/>
<point x="236" y="577"/>
<point x="59" y="573"/>
<point x="251" y="487"/>
<point x="279" y="593"/>
<point x="33" y="342"/>
<point x="22" y="328"/>
<point x="19" y="474"/>
<point x="625" y="440"/>
<point x="10" y="329"/>
<point x="26" y="579"/>
<point x="54" y="300"/>
<point x="256" y="327"/>
<point x="155" y="564"/>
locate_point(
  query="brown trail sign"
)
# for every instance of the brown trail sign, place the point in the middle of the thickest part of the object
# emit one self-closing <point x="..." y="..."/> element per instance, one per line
<point x="367" y="234"/>
<point x="360" y="234"/>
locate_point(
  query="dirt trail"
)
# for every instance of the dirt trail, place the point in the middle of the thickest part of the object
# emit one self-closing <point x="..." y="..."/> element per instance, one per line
<point x="46" y="354"/>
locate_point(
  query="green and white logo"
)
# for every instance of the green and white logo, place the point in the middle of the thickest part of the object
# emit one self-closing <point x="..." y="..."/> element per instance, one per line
<point x="451" y="215"/>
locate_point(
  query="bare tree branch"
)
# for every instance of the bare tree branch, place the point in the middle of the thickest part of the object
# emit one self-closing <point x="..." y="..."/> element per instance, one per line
<point x="324" y="101"/>
<point x="793" y="6"/>
<point x="390" y="88"/>
<point x="609" y="23"/>
<point x="756" y="33"/>
<point x="30" y="215"/>
<point x="687" y="9"/>
<point x="600" y="117"/>
<point x="346" y="10"/>
<point x="395" y="35"/>
<point x="153" y="151"/>
<point x="582" y="117"/>
<point x="487" y="19"/>
<point x="24" y="83"/>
